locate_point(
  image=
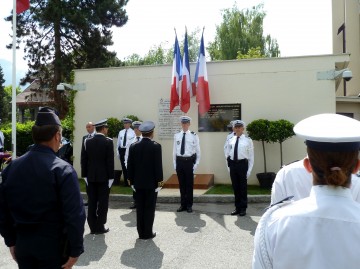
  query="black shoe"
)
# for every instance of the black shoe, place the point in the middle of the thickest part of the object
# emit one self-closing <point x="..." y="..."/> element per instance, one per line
<point x="148" y="237"/>
<point x="181" y="208"/>
<point x="189" y="210"/>
<point x="103" y="231"/>
<point x="133" y="206"/>
<point x="235" y="212"/>
<point x="242" y="212"/>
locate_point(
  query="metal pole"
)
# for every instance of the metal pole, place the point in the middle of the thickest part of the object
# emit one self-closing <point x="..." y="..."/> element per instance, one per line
<point x="13" y="103"/>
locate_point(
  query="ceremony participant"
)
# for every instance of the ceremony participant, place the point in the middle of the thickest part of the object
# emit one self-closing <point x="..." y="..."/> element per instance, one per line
<point x="146" y="175"/>
<point x="2" y="141"/>
<point x="294" y="180"/>
<point x="125" y="135"/>
<point x="323" y="230"/>
<point x="41" y="211"/>
<point x="186" y="158"/>
<point x="97" y="167"/>
<point x="136" y="139"/>
<point x="239" y="153"/>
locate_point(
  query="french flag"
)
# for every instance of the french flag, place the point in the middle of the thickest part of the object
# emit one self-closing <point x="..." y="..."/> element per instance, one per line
<point x="186" y="88"/>
<point x="22" y="5"/>
<point x="176" y="76"/>
<point x="201" y="81"/>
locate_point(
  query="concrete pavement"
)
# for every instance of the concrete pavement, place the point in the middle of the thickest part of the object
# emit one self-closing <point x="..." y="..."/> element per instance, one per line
<point x="207" y="238"/>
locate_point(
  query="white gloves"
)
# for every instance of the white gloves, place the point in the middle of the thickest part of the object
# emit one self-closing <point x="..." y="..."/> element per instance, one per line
<point x="247" y="175"/>
<point x="175" y="167"/>
<point x="194" y="167"/>
<point x="85" y="178"/>
<point x="132" y="186"/>
<point x="111" y="181"/>
<point x="157" y="189"/>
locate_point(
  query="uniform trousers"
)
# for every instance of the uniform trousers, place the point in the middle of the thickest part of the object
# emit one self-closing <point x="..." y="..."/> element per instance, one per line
<point x="98" y="202"/>
<point x="185" y="173"/>
<point x="145" y="211"/>
<point x="238" y="171"/>
<point x="122" y="161"/>
<point x="38" y="248"/>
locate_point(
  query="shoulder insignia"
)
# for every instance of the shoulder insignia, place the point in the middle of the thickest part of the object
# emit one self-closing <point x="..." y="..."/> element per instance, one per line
<point x="109" y="138"/>
<point x="193" y="133"/>
<point x="285" y="201"/>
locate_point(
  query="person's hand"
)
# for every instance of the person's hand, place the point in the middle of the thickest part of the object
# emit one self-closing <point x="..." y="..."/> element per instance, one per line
<point x="129" y="182"/>
<point x="175" y="167"/>
<point x="85" y="178"/>
<point x="247" y="175"/>
<point x="111" y="181"/>
<point x="70" y="263"/>
<point x="194" y="167"/>
<point x="12" y="252"/>
<point x="132" y="186"/>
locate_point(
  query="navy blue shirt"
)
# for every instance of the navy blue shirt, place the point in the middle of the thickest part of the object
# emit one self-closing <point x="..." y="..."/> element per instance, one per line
<point x="41" y="189"/>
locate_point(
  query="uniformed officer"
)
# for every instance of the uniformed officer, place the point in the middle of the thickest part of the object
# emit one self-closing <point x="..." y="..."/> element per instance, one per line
<point x="186" y="158"/>
<point x="239" y="153"/>
<point x="125" y="135"/>
<point x="146" y="175"/>
<point x="230" y="135"/>
<point x="41" y="210"/>
<point x="323" y="230"/>
<point x="136" y="139"/>
<point x="97" y="166"/>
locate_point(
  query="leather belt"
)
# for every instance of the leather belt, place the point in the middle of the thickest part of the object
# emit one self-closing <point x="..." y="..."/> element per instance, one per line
<point x="239" y="161"/>
<point x="181" y="158"/>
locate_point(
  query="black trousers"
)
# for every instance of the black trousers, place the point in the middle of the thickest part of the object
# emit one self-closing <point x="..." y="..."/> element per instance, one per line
<point x="145" y="211"/>
<point x="123" y="166"/>
<point x="38" y="249"/>
<point x="98" y="202"/>
<point x="185" y="173"/>
<point x="238" y="171"/>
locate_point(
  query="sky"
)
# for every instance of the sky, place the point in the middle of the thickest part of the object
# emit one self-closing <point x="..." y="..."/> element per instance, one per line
<point x="301" y="27"/>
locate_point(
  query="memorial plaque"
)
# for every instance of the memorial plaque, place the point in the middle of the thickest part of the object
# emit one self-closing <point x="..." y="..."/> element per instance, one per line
<point x="168" y="122"/>
<point x="218" y="117"/>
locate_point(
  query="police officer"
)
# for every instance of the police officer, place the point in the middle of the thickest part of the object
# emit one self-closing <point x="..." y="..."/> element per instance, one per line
<point x="146" y="175"/>
<point x="322" y="230"/>
<point x="97" y="166"/>
<point x="125" y="135"/>
<point x="136" y="139"/>
<point x="186" y="158"/>
<point x="41" y="210"/>
<point x="239" y="153"/>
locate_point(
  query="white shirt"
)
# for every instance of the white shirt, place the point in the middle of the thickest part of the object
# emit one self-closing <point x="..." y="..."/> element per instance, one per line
<point x="192" y="146"/>
<point x="129" y="136"/>
<point x="2" y="139"/>
<point x="229" y="136"/>
<point x="134" y="140"/>
<point x="294" y="179"/>
<point x="245" y="150"/>
<point x="318" y="232"/>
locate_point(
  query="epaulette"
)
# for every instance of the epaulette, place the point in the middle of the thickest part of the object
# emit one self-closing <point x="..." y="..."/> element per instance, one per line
<point x="193" y="133"/>
<point x="282" y="202"/>
<point x="155" y="143"/>
<point x="109" y="138"/>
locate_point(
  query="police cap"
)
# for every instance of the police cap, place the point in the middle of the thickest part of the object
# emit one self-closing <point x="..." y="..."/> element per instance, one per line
<point x="136" y="124"/>
<point x="147" y="127"/>
<point x="126" y="120"/>
<point x="185" y="119"/>
<point x="237" y="123"/>
<point x="101" y="123"/>
<point x="47" y="116"/>
<point x="330" y="132"/>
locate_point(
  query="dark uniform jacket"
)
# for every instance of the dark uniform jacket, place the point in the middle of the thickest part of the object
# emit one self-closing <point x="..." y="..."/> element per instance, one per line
<point x="41" y="190"/>
<point x="97" y="161"/>
<point x="145" y="164"/>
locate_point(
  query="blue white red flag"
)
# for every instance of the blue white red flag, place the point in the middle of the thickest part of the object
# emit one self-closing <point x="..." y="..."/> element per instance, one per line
<point x="176" y="76"/>
<point x="22" y="5"/>
<point x="201" y="80"/>
<point x="186" y="88"/>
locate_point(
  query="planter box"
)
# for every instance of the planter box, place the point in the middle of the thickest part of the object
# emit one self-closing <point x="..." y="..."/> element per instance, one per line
<point x="266" y="180"/>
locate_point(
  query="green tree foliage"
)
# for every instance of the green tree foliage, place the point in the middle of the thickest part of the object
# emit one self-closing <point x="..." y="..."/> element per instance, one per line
<point x="5" y="103"/>
<point x="115" y="125"/>
<point x="3" y="111"/>
<point x="60" y="36"/>
<point x="161" y="54"/>
<point x="241" y="33"/>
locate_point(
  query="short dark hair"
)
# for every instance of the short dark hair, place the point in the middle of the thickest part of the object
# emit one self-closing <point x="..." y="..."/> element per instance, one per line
<point x="44" y="133"/>
<point x="147" y="134"/>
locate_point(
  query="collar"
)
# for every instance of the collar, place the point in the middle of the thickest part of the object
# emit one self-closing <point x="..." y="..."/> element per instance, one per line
<point x="42" y="148"/>
<point x="329" y="190"/>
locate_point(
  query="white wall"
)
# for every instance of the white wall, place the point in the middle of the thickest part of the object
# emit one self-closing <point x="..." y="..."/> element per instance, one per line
<point x="266" y="88"/>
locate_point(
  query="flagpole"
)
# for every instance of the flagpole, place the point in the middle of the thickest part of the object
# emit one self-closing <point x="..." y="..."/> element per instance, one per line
<point x="13" y="102"/>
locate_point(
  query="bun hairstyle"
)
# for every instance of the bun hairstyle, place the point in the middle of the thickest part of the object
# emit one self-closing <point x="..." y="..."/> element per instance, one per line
<point x="332" y="168"/>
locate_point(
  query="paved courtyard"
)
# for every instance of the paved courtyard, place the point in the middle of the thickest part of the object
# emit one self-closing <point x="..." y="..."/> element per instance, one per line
<point x="207" y="238"/>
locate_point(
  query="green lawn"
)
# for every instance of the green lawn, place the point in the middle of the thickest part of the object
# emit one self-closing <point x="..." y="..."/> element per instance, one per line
<point x="216" y="189"/>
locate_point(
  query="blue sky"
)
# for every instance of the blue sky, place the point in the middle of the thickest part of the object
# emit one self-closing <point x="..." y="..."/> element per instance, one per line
<point x="301" y="27"/>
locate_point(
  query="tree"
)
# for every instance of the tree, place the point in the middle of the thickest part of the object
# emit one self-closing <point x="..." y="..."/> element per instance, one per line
<point x="160" y="54"/>
<point x="241" y="33"/>
<point x="62" y="35"/>
<point x="3" y="112"/>
<point x="5" y="108"/>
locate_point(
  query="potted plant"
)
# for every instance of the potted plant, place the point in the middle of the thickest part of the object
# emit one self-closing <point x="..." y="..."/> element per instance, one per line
<point x="258" y="130"/>
<point x="280" y="131"/>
